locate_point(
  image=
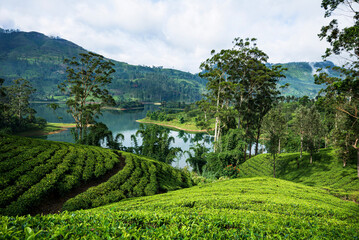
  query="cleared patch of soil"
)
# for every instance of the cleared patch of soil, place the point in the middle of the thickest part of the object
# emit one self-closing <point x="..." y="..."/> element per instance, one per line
<point x="54" y="202"/>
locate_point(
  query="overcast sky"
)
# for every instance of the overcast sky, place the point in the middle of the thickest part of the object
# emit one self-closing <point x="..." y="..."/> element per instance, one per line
<point x="174" y="33"/>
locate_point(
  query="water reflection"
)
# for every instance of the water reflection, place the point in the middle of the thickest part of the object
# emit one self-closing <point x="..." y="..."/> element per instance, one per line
<point x="122" y="122"/>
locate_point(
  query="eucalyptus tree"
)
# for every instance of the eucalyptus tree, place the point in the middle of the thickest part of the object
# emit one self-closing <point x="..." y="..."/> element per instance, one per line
<point x="300" y="125"/>
<point x="313" y="131"/>
<point x="274" y="126"/>
<point x="219" y="89"/>
<point x="87" y="77"/>
<point x="19" y="95"/>
<point x="344" y="42"/>
<point x="238" y="82"/>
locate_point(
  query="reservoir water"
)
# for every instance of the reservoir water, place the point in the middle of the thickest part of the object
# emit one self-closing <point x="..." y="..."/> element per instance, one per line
<point x="119" y="122"/>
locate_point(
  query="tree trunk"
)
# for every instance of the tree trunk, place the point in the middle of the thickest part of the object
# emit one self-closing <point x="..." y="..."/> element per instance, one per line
<point x="311" y="158"/>
<point x="250" y="150"/>
<point x="301" y="146"/>
<point x="279" y="146"/>
<point x="245" y="152"/>
<point x="325" y="142"/>
<point x="358" y="161"/>
<point x="216" y="134"/>
<point x="257" y="140"/>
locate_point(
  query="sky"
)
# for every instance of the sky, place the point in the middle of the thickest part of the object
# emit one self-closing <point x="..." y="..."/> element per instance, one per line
<point x="176" y="34"/>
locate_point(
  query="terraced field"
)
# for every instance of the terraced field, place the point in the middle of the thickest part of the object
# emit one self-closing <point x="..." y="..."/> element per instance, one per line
<point x="34" y="171"/>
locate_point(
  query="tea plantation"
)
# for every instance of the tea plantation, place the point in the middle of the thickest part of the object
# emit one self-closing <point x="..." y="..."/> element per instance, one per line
<point x="326" y="171"/>
<point x="32" y="169"/>
<point x="250" y="208"/>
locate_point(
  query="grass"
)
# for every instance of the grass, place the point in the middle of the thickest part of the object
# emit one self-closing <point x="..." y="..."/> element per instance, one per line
<point x="50" y="128"/>
<point x="326" y="171"/>
<point x="250" y="208"/>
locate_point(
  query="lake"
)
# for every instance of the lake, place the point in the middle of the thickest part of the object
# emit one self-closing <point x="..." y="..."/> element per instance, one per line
<point x="118" y="122"/>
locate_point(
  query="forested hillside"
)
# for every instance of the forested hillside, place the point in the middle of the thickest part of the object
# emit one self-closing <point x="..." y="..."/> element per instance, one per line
<point x="39" y="59"/>
<point x="300" y="77"/>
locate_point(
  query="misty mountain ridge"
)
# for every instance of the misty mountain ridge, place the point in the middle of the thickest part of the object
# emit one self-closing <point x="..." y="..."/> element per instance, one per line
<point x="39" y="59"/>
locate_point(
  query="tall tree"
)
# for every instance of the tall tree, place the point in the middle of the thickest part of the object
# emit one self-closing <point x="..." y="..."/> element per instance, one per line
<point x="300" y="125"/>
<point x="274" y="125"/>
<point x="87" y="77"/>
<point x="239" y="77"/>
<point x="344" y="42"/>
<point x="19" y="94"/>
<point x="313" y="131"/>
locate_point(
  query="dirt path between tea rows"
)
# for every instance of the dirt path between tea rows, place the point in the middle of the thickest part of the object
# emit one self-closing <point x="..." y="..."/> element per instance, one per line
<point x="54" y="202"/>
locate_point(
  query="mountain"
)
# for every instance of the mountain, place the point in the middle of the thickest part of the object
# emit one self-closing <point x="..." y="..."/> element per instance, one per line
<point x="39" y="58"/>
<point x="300" y="77"/>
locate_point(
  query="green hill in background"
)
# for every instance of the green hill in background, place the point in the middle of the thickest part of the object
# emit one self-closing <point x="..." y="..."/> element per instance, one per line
<point x="300" y="77"/>
<point x="39" y="58"/>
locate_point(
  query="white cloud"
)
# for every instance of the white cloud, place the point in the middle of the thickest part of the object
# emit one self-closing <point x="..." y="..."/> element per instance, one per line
<point x="174" y="33"/>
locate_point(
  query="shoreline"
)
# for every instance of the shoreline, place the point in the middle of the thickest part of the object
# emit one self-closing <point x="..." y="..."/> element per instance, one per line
<point x="42" y="132"/>
<point x="172" y="126"/>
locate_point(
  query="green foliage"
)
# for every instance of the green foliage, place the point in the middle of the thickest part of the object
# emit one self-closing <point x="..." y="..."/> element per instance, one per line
<point x="231" y="171"/>
<point x="156" y="143"/>
<point x="139" y="177"/>
<point x="235" y="209"/>
<point x="130" y="105"/>
<point x="198" y="159"/>
<point x="275" y="126"/>
<point x="343" y="91"/>
<point x="241" y="89"/>
<point x="32" y="169"/>
<point x="326" y="171"/>
<point x="16" y="115"/>
<point x="87" y="77"/>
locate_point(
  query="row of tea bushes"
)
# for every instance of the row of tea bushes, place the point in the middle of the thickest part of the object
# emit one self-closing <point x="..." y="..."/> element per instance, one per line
<point x="250" y="208"/>
<point x="141" y="176"/>
<point x="32" y="169"/>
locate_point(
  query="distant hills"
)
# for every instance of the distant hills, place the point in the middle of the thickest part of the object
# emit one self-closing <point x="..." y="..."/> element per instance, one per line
<point x="300" y="77"/>
<point x="39" y="58"/>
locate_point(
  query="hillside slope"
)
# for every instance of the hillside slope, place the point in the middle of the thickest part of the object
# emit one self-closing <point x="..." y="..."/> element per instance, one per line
<point x="39" y="58"/>
<point x="34" y="172"/>
<point x="253" y="208"/>
<point x="300" y="77"/>
<point x="327" y="171"/>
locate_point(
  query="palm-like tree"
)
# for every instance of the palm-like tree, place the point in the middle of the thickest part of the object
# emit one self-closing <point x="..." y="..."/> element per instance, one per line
<point x="156" y="143"/>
